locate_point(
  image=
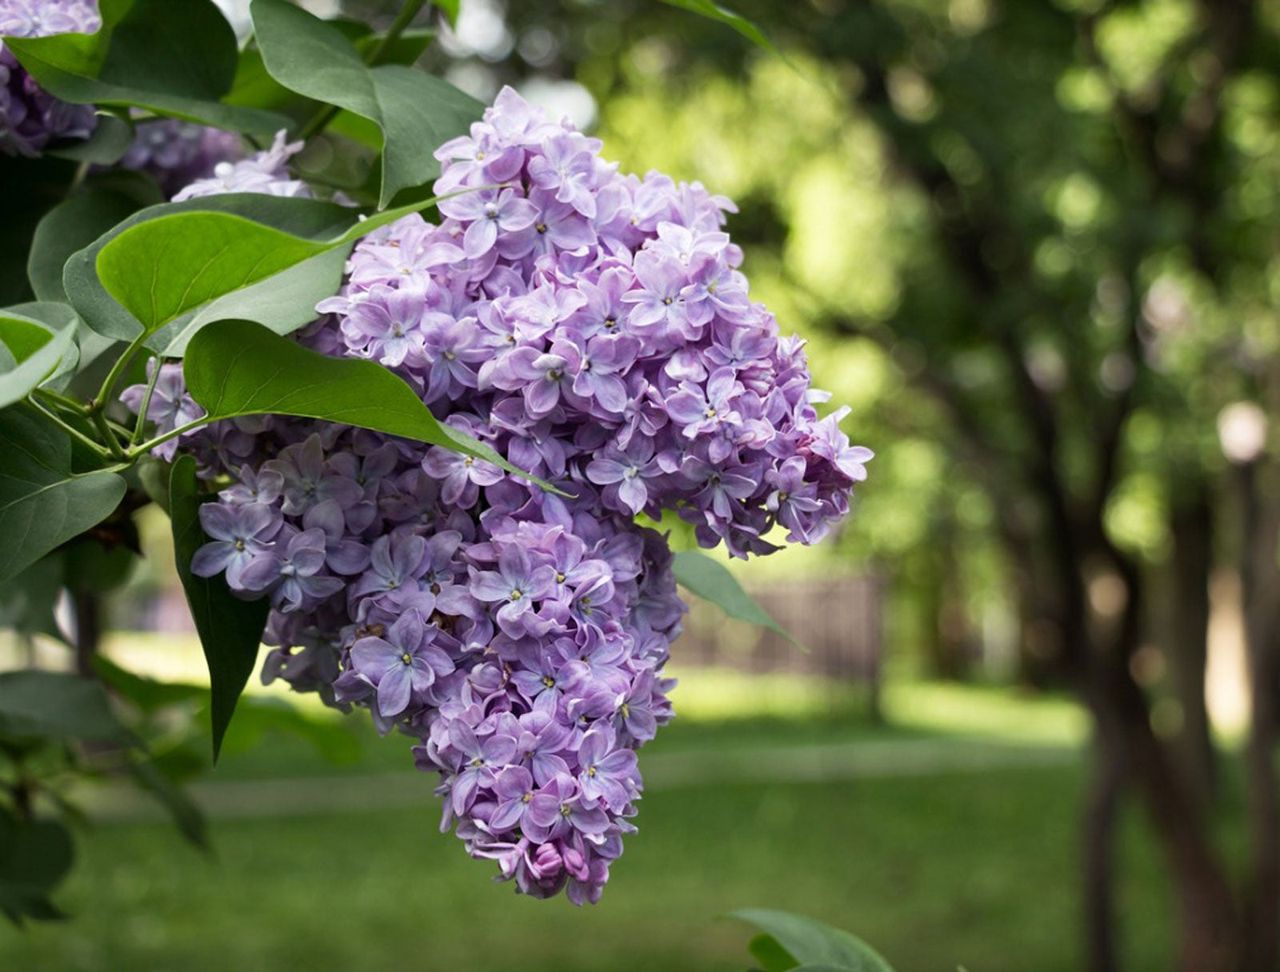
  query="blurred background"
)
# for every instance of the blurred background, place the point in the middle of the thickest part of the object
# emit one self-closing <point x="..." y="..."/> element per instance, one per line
<point x="1033" y="245"/>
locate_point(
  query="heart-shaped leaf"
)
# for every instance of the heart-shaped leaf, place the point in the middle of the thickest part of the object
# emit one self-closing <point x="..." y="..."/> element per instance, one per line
<point x="415" y="112"/>
<point x="43" y="503"/>
<point x="170" y="58"/>
<point x="160" y="272"/>
<point x="72" y="224"/>
<point x="307" y="218"/>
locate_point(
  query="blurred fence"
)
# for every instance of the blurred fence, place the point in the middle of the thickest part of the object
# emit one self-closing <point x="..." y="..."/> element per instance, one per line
<point x="837" y="623"/>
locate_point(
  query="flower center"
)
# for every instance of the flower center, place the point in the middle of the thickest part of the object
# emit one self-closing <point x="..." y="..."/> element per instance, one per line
<point x="540" y="227"/>
<point x="407" y="658"/>
<point x="565" y="810"/>
<point x="517" y="594"/>
<point x="548" y="681"/>
<point x="591" y="771"/>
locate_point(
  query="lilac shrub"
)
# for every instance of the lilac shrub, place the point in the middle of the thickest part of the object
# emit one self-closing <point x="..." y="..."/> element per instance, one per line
<point x="593" y="328"/>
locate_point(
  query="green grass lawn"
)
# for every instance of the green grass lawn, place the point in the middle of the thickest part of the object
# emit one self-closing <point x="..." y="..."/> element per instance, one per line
<point x="939" y="869"/>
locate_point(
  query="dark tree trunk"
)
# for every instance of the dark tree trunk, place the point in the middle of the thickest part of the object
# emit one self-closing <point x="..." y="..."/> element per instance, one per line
<point x="1101" y="808"/>
<point x="1262" y="639"/>
<point x="1188" y="637"/>
<point x="1207" y="919"/>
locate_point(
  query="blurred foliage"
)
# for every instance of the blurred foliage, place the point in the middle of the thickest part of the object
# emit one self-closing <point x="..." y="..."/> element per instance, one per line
<point x="951" y="197"/>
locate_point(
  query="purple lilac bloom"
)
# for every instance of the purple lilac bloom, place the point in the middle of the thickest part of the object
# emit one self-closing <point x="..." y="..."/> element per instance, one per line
<point x="179" y="152"/>
<point x="404" y="664"/>
<point x="587" y="324"/>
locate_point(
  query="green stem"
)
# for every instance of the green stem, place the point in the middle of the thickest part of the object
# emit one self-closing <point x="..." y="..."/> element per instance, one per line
<point x="78" y="177"/>
<point x="321" y="119"/>
<point x="145" y="407"/>
<point x="117" y="369"/>
<point x="398" y="27"/>
<point x="65" y="402"/>
<point x="71" y="430"/>
<point x="108" y="434"/>
<point x="144" y="447"/>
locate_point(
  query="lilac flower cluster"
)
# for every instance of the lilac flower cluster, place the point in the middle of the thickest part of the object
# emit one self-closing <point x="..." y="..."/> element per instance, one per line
<point x="30" y="117"/>
<point x="594" y="329"/>
<point x="178" y="153"/>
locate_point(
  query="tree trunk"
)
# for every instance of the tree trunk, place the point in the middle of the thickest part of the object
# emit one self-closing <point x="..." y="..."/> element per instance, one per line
<point x="1188" y="638"/>
<point x="1262" y="634"/>
<point x="1207" y="919"/>
<point x="1101" y="807"/>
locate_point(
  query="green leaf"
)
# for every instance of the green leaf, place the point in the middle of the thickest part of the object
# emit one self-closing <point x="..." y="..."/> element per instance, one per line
<point x="815" y="946"/>
<point x="74" y="223"/>
<point x="283" y="303"/>
<point x="57" y="705"/>
<point x="36" y="349"/>
<point x="712" y="10"/>
<point x="230" y="629"/>
<point x="771" y="956"/>
<point x="405" y="49"/>
<point x="308" y="218"/>
<point x="111" y="138"/>
<point x="415" y="112"/>
<point x="27" y="601"/>
<point x="147" y="694"/>
<point x="43" y="503"/>
<point x="35" y="857"/>
<point x="179" y="269"/>
<point x="169" y="58"/>
<point x="39" y="350"/>
<point x="711" y="580"/>
<point x="240" y="368"/>
<point x="450" y="9"/>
